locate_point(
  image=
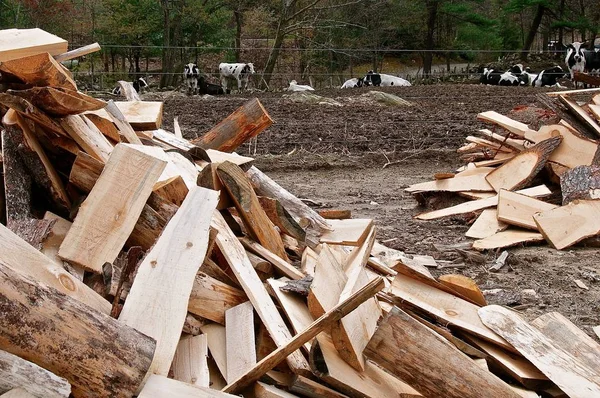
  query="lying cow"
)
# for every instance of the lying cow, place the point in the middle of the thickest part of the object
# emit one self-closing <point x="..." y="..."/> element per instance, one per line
<point x="294" y="86"/>
<point x="490" y="76"/>
<point x="190" y="77"/>
<point x="579" y="59"/>
<point x="509" y="79"/>
<point x="380" y="79"/>
<point x="209" y="88"/>
<point x="139" y="85"/>
<point x="240" y="72"/>
<point x="354" y="82"/>
<point x="549" y="77"/>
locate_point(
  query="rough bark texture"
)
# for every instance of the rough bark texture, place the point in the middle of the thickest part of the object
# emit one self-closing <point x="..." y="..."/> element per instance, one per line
<point x="98" y="355"/>
<point x="582" y="182"/>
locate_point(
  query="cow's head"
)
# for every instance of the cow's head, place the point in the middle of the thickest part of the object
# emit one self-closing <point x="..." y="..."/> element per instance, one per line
<point x="575" y="51"/>
<point x="190" y="70"/>
<point x="556" y="71"/>
<point x="249" y="68"/>
<point x="368" y="79"/>
<point x="142" y="83"/>
<point x="360" y="82"/>
<point x="516" y="69"/>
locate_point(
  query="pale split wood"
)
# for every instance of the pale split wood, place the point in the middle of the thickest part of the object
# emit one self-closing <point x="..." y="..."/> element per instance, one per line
<point x="78" y="52"/>
<point x="128" y="91"/>
<point x="139" y="115"/>
<point x="105" y="221"/>
<point x="52" y="243"/>
<point x="211" y="298"/>
<point x="17" y="393"/>
<point x="508" y="238"/>
<point x="518" y="172"/>
<point x="515" y="144"/>
<point x="350" y="232"/>
<point x="489" y="144"/>
<point x="58" y="102"/>
<point x="308" y="261"/>
<point x="122" y="124"/>
<point x="509" y="124"/>
<point x="19" y="43"/>
<point x="176" y="128"/>
<point x="328" y="283"/>
<point x="38" y="70"/>
<point x="517" y="209"/>
<point x="16" y="372"/>
<point x="159" y="386"/>
<point x="190" y="363"/>
<point x="596" y="99"/>
<point x="569" y="92"/>
<point x="89" y="138"/>
<point x="262" y="390"/>
<point x="574" y="150"/>
<point x="566" y="369"/>
<point x="158" y="300"/>
<point x="425" y="360"/>
<point x="581" y="114"/>
<point x="239" y="334"/>
<point x="486" y="225"/>
<point x="236" y="257"/>
<point x="564" y="226"/>
<point x="282" y="265"/>
<point x="310" y="388"/>
<point x="217" y="345"/>
<point x="475" y="182"/>
<point x="106" y="126"/>
<point x="464" y="285"/>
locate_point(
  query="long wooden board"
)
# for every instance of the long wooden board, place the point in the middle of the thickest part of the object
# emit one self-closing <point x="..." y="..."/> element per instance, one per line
<point x="351" y="232"/>
<point x="158" y="300"/>
<point x="564" y="226"/>
<point x="109" y="214"/>
<point x="141" y="115"/>
<point x="475" y="182"/>
<point x="190" y="362"/>
<point x="19" y="43"/>
<point x="574" y="150"/>
<point x="519" y="145"/>
<point x="239" y="335"/>
<point x="507" y="238"/>
<point x="571" y="374"/>
<point x="509" y="124"/>
<point x="328" y="283"/>
<point x="517" y="209"/>
<point x="581" y="114"/>
<point x="486" y="225"/>
<point x="159" y="386"/>
<point x="282" y="265"/>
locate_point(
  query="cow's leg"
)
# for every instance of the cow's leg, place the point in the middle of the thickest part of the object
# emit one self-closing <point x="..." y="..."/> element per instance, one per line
<point x="224" y="83"/>
<point x="239" y="82"/>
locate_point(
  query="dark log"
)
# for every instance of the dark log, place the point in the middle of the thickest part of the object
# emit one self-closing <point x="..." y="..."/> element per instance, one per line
<point x="582" y="182"/>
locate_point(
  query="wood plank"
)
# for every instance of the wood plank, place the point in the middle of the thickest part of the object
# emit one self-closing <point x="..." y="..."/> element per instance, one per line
<point x="489" y="144"/>
<point x="468" y="207"/>
<point x="38" y="70"/>
<point x="141" y="115"/>
<point x="106" y="126"/>
<point x="475" y="182"/>
<point x="517" y="209"/>
<point x="17" y="372"/>
<point x="239" y="331"/>
<point x="92" y="344"/>
<point x="518" y="172"/>
<point x="240" y="265"/>
<point x="328" y="283"/>
<point x="220" y="157"/>
<point x="122" y="123"/>
<point x="211" y="298"/>
<point x="89" y="138"/>
<point x="105" y="221"/>
<point x="19" y="43"/>
<point x="350" y="232"/>
<point x="425" y="360"/>
<point x="581" y="114"/>
<point x="568" y="92"/>
<point x="158" y="300"/>
<point x="448" y="309"/>
<point x="518" y="145"/>
<point x="564" y="226"/>
<point x="570" y="373"/>
<point x="190" y="362"/>
<point x="246" y="202"/>
<point x="575" y="150"/>
<point x="373" y="382"/>
<point x="216" y="340"/>
<point x="486" y="225"/>
<point x="22" y="257"/>
<point x="338" y="312"/>
<point x="465" y="286"/>
<point x="282" y="265"/>
<point x="17" y="393"/>
<point x="311" y="389"/>
<point x="262" y="390"/>
<point x="78" y="52"/>
<point x="508" y="238"/>
<point x="159" y="387"/>
<point x="509" y="124"/>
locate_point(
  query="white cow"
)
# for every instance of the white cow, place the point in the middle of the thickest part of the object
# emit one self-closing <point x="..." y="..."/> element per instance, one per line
<point x="190" y="76"/>
<point x="240" y="72"/>
<point x="294" y="86"/>
<point x="352" y="83"/>
<point x="381" y="79"/>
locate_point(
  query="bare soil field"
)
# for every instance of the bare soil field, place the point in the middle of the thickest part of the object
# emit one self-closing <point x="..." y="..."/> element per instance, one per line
<point x="335" y="156"/>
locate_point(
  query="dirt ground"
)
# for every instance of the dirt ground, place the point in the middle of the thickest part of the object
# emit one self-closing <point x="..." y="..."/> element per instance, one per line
<point x="335" y="156"/>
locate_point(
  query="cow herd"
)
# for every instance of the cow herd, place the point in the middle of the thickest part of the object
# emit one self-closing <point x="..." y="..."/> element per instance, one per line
<point x="517" y="75"/>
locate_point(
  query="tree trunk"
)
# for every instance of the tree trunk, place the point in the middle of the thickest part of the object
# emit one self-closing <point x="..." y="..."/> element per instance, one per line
<point x="432" y="9"/>
<point x="537" y="20"/>
<point x="279" y="36"/>
<point x="561" y="29"/>
<point x="238" y="34"/>
<point x="166" y="53"/>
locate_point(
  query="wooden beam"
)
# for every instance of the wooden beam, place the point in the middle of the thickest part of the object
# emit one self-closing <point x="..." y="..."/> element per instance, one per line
<point x="78" y="52"/>
<point x="158" y="300"/>
<point x="425" y="360"/>
<point x="190" y="362"/>
<point x="564" y="226"/>
<point x="16" y="372"/>
<point x="105" y="221"/>
<point x="338" y="312"/>
<point x="211" y="298"/>
<point x="517" y="209"/>
<point x="564" y="367"/>
<point x="19" y="43"/>
<point x="246" y="122"/>
<point x="92" y="344"/>
<point x="159" y="386"/>
<point x="239" y="331"/>
<point x="282" y="265"/>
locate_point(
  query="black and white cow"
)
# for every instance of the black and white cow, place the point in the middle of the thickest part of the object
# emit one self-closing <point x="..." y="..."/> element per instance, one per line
<point x="381" y="79"/>
<point x="190" y="77"/>
<point x="139" y="85"/>
<point x="548" y="77"/>
<point x="490" y="76"/>
<point x="209" y="88"/>
<point x="239" y="71"/>
<point x="509" y="79"/>
<point x="354" y="82"/>
<point x="575" y="58"/>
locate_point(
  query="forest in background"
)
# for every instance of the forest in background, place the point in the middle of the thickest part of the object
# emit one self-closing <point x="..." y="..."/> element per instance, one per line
<point x="303" y="37"/>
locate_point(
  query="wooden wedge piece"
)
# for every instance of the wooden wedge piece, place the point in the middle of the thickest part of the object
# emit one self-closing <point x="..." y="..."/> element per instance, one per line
<point x="475" y="182"/>
<point x="211" y="298"/>
<point x="190" y="362"/>
<point x="509" y="124"/>
<point x="351" y="232"/>
<point x="570" y="373"/>
<point x="486" y="225"/>
<point x="16" y="372"/>
<point x="92" y="344"/>
<point x="38" y="70"/>
<point x="19" y="43"/>
<point x="564" y="226"/>
<point x="312" y="389"/>
<point x="239" y="330"/>
<point x="464" y="285"/>
<point x="255" y="219"/>
<point x="105" y="221"/>
<point x="581" y="182"/>
<point x="518" y="172"/>
<point x="517" y="209"/>
<point x="574" y="150"/>
<point x="236" y="257"/>
<point x="262" y="390"/>
<point x="468" y="207"/>
<point x="158" y="300"/>
<point x="581" y="114"/>
<point x="508" y="238"/>
<point x="160" y="386"/>
<point x="216" y="340"/>
<point x="338" y="312"/>
<point x="489" y="144"/>
<point x="89" y="138"/>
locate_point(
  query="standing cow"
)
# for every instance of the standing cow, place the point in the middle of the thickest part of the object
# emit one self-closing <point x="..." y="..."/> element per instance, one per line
<point x="190" y="77"/>
<point x="579" y="59"/>
<point x="240" y="72"/>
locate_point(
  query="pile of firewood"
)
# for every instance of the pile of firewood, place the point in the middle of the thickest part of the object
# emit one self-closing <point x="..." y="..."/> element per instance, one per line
<point x="134" y="262"/>
<point x="514" y="168"/>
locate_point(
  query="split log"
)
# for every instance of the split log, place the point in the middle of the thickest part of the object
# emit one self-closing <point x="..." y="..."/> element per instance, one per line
<point x="280" y="217"/>
<point x="78" y="52"/>
<point x="257" y="223"/>
<point x="507" y="238"/>
<point x="581" y="114"/>
<point x="30" y="112"/>
<point x="122" y="124"/>
<point x="246" y="122"/>
<point x="486" y="225"/>
<point x="16" y="372"/>
<point x="106" y="126"/>
<point x="335" y="214"/>
<point x="87" y="136"/>
<point x="159" y="386"/>
<point x="564" y="367"/>
<point x="518" y="172"/>
<point x="158" y="300"/>
<point x="426" y="361"/>
<point x="38" y="70"/>
<point x="190" y="362"/>
<point x="518" y="145"/>
<point x="217" y="345"/>
<point x="211" y="298"/>
<point x="51" y="244"/>
<point x="509" y="124"/>
<point x="465" y="286"/>
<point x="517" y="209"/>
<point x="311" y="389"/>
<point x="580" y="183"/>
<point x="489" y="144"/>
<point x="574" y="150"/>
<point x="564" y="226"/>
<point x="19" y="43"/>
<point x="328" y="283"/>
<point x="282" y="265"/>
<point x="59" y="102"/>
<point x="239" y="338"/>
<point x="262" y="390"/>
<point x="85" y="172"/>
<point x="17" y="182"/>
<point x="92" y="344"/>
<point x="173" y="190"/>
<point x="104" y="221"/>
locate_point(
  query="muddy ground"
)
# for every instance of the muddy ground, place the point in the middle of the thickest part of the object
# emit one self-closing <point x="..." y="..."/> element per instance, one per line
<point x="335" y="156"/>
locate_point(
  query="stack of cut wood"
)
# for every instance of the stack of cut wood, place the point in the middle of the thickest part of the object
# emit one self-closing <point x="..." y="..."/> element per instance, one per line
<point x="514" y="172"/>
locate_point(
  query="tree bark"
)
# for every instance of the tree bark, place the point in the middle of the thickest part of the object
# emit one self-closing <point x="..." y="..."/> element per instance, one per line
<point x="237" y="14"/>
<point x="537" y="20"/>
<point x="432" y="9"/>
